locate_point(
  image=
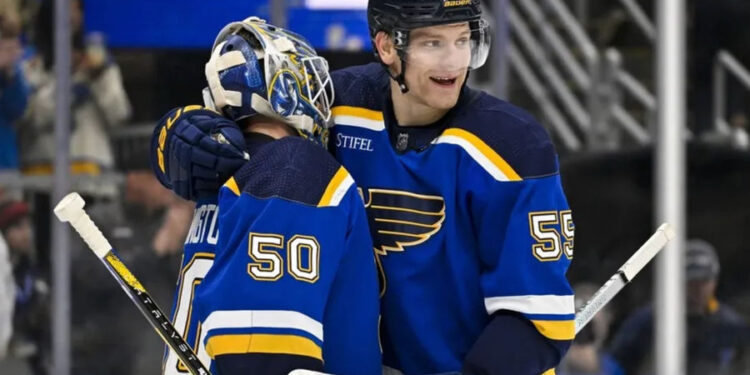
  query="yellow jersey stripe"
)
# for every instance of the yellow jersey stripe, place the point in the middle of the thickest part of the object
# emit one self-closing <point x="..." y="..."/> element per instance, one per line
<point x="263" y="343"/>
<point x="333" y="187"/>
<point x="232" y="185"/>
<point x="549" y="372"/>
<point x="556" y="329"/>
<point x="485" y="150"/>
<point x="357" y="112"/>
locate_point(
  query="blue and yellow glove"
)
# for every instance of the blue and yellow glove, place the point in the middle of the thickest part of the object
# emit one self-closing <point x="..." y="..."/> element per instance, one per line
<point x="195" y="150"/>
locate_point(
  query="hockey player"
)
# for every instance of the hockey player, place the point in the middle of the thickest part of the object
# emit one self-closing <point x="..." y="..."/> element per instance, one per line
<point x="469" y="220"/>
<point x="291" y="282"/>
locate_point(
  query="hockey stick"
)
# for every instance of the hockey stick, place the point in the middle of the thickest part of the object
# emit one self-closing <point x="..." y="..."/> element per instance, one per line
<point x="624" y="275"/>
<point x="70" y="209"/>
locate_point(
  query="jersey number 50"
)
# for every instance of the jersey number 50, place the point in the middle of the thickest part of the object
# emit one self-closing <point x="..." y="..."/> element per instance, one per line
<point x="302" y="257"/>
<point x="551" y="244"/>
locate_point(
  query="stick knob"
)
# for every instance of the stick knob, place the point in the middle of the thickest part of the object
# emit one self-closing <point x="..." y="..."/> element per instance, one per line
<point x="70" y="209"/>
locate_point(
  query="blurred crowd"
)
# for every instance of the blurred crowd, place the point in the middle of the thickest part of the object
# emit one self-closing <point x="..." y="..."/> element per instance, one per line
<point x="136" y="213"/>
<point x="99" y="102"/>
<point x="148" y="224"/>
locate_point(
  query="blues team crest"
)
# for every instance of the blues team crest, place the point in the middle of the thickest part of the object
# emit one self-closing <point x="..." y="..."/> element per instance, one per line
<point x="401" y="219"/>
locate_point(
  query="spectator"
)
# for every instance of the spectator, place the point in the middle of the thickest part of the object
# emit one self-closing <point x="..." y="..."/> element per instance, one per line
<point x="716" y="334"/>
<point x="30" y="319"/>
<point x="586" y="355"/>
<point x="13" y="88"/>
<point x="99" y="105"/>
<point x="143" y="189"/>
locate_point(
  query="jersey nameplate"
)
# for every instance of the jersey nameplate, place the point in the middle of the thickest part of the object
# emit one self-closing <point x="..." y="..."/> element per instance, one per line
<point x="204" y="228"/>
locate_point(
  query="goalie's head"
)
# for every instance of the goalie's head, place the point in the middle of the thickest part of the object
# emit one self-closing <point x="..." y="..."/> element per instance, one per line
<point x="260" y="69"/>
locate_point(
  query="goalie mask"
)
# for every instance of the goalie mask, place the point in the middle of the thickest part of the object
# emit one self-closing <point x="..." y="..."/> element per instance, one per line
<point x="259" y="69"/>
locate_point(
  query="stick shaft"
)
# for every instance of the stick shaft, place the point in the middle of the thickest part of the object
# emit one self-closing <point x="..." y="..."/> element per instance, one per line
<point x="624" y="275"/>
<point x="70" y="209"/>
<point x="155" y="316"/>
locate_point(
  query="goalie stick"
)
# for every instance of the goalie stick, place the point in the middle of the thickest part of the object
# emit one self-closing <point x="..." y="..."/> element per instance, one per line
<point x="624" y="275"/>
<point x="70" y="209"/>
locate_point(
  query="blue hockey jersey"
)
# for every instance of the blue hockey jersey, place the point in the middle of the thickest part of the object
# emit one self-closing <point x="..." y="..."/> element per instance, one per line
<point x="473" y="223"/>
<point x="294" y="274"/>
<point x="197" y="258"/>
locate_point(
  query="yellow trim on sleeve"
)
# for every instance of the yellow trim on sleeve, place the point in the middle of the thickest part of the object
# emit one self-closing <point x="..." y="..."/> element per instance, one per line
<point x="193" y="107"/>
<point x="487" y="151"/>
<point x="556" y="329"/>
<point x="357" y="112"/>
<point x="335" y="183"/>
<point x="549" y="372"/>
<point x="232" y="185"/>
<point x="263" y="343"/>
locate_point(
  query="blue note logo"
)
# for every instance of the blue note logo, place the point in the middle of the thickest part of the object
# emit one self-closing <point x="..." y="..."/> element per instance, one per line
<point x="401" y="219"/>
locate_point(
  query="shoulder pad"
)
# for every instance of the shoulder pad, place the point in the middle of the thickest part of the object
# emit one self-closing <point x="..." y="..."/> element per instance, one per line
<point x="509" y="134"/>
<point x="360" y="86"/>
<point x="295" y="169"/>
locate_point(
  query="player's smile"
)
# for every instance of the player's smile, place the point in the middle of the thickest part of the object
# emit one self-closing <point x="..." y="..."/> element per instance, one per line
<point x="444" y="81"/>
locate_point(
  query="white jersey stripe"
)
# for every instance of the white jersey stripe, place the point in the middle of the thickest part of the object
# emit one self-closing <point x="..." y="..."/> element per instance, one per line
<point x="532" y="304"/>
<point x="341" y="190"/>
<point x="475" y="154"/>
<point x="256" y="318"/>
<point x="263" y="318"/>
<point x="360" y="122"/>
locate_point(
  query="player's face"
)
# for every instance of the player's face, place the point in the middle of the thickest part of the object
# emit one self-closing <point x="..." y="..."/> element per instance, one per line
<point x="437" y="60"/>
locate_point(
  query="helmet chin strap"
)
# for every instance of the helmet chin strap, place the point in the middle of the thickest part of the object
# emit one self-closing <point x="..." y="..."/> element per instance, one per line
<point x="400" y="78"/>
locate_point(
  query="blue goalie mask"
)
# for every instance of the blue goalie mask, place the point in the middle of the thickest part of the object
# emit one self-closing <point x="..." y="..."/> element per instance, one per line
<point x="260" y="69"/>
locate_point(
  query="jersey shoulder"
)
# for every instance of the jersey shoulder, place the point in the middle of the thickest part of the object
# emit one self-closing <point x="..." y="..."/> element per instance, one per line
<point x="510" y="135"/>
<point x="361" y="86"/>
<point x="294" y="169"/>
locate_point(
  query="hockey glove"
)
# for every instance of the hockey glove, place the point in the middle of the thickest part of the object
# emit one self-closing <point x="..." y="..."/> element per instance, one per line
<point x="195" y="150"/>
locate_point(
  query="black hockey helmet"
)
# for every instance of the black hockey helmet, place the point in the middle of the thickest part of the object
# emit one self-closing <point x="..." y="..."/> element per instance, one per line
<point x="399" y="17"/>
<point x="392" y="15"/>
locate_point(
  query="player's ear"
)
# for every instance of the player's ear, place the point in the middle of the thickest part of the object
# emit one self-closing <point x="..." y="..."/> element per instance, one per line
<point x="386" y="49"/>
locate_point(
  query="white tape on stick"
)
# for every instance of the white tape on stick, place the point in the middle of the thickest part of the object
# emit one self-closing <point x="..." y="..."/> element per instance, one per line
<point x="70" y="209"/>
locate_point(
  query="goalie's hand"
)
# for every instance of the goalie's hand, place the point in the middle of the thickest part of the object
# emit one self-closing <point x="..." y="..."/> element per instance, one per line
<point x="195" y="150"/>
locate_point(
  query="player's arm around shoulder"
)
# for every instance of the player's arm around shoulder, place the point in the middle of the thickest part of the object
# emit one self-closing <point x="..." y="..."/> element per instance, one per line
<point x="525" y="232"/>
<point x="194" y="150"/>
